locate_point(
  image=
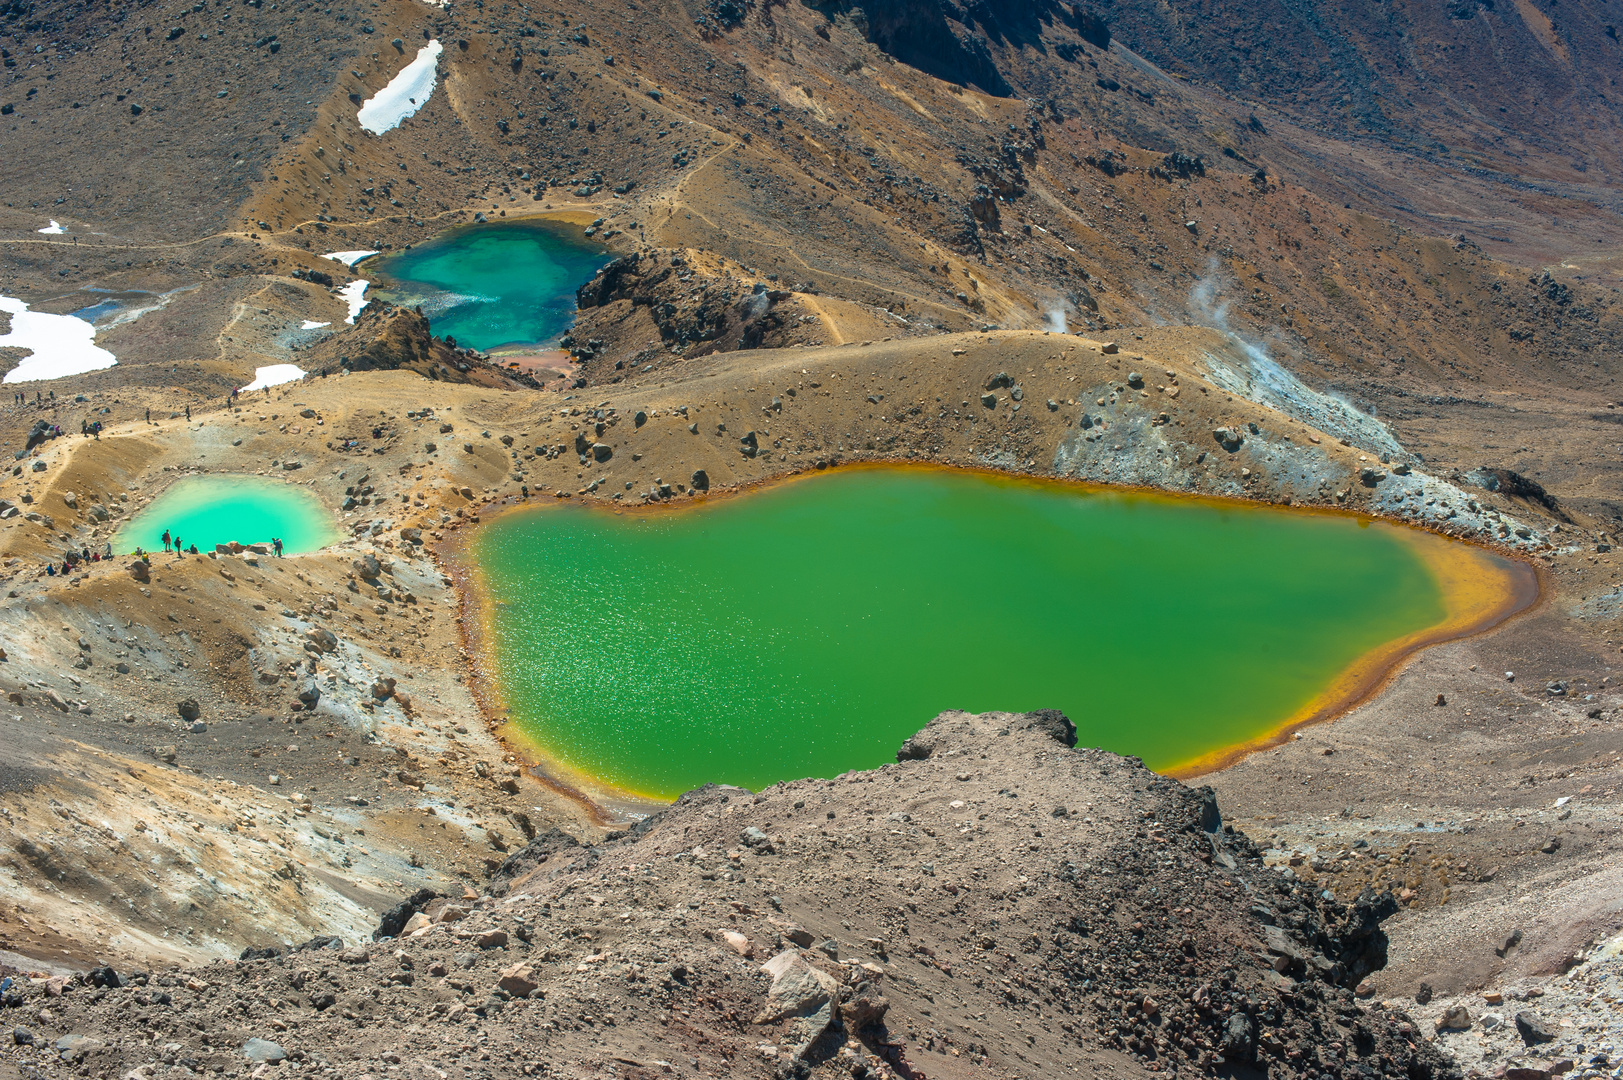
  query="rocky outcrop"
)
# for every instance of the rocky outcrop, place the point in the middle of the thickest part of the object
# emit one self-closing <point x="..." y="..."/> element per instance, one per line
<point x="386" y="338"/>
<point x="695" y="307"/>
<point x="1512" y="483"/>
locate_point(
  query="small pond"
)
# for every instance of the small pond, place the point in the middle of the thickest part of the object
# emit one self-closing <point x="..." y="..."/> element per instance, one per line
<point x="807" y="628"/>
<point x="209" y="510"/>
<point x="501" y="285"/>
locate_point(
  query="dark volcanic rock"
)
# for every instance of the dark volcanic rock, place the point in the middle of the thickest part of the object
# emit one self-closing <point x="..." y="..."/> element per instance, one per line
<point x="1534" y="1029"/>
<point x="527" y="858"/>
<point x="392" y="921"/>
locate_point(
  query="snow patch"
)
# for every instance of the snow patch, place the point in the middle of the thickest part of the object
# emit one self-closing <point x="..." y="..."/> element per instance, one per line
<point x="355" y="294"/>
<point x="406" y="93"/>
<point x="274" y="375"/>
<point x="311" y="324"/>
<point x="349" y="258"/>
<point x="59" y="345"/>
<point x="53" y="229"/>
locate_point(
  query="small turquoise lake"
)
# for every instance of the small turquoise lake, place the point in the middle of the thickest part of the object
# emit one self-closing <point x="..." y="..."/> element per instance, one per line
<point x="209" y="510"/>
<point x="499" y="285"/>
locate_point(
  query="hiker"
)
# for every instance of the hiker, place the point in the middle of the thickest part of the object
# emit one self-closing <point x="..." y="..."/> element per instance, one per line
<point x="192" y="550"/>
<point x="276" y="542"/>
<point x="188" y="412"/>
<point x="50" y="569"/>
<point x="166" y="539"/>
<point x="149" y="416"/>
<point x="177" y="544"/>
<point x="95" y="429"/>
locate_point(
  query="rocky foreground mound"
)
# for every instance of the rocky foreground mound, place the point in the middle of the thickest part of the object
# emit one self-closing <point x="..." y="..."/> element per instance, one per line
<point x="994" y="903"/>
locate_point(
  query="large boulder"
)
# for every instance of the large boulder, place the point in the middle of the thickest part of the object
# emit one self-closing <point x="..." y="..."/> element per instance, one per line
<point x="263" y="1051"/>
<point x="804" y="995"/>
<point x="322" y="639"/>
<point x="519" y="980"/>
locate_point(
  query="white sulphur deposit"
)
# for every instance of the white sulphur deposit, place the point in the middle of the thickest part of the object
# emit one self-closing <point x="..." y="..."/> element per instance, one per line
<point x="59" y="345"/>
<point x="406" y="93"/>
<point x="355" y="295"/>
<point x="53" y="229"/>
<point x="275" y="375"/>
<point x="349" y="258"/>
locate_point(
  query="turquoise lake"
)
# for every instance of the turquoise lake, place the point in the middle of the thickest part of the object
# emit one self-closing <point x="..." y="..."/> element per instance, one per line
<point x="209" y="510"/>
<point x="501" y="285"/>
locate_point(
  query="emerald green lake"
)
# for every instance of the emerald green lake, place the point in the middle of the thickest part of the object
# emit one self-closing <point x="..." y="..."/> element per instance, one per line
<point x="809" y="628"/>
<point x="210" y="510"/>
<point x="489" y="286"/>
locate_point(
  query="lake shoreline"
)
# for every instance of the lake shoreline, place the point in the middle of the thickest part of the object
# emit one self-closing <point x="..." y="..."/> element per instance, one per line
<point x="1481" y="589"/>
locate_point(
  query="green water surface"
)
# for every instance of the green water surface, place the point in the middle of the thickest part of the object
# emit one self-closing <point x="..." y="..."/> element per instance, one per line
<point x="809" y="628"/>
<point x="488" y="286"/>
<point x="209" y="510"/>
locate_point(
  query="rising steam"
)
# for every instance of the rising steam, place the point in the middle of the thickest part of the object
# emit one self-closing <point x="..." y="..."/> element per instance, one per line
<point x="1268" y="383"/>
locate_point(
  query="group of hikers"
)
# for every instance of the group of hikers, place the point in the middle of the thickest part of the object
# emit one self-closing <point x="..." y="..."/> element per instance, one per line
<point x="90" y="427"/>
<point x="21" y="398"/>
<point x="71" y="559"/>
<point x="172" y="543"/>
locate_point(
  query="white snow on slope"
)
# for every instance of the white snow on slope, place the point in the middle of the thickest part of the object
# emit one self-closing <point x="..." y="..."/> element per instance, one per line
<point x="311" y="324"/>
<point x="274" y="375"/>
<point x="61" y="345"/>
<point x="349" y="258"/>
<point x="53" y="229"/>
<point x="355" y="294"/>
<point x="406" y="93"/>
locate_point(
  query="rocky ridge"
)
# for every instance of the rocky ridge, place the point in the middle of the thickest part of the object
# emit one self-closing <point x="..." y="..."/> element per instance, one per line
<point x="994" y="899"/>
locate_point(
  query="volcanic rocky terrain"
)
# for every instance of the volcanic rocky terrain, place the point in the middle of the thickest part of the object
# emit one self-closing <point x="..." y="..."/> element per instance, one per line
<point x="258" y="816"/>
